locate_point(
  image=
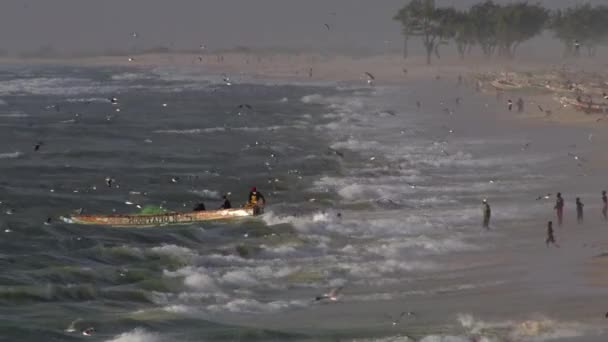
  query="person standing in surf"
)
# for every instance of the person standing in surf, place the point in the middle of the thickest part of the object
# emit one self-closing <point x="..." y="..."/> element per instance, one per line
<point x="579" y="210"/>
<point x="559" y="208"/>
<point x="487" y="213"/>
<point x="604" y="205"/>
<point x="550" y="237"/>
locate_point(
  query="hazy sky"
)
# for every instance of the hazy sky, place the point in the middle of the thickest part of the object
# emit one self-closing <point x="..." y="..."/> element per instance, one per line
<point x="99" y="24"/>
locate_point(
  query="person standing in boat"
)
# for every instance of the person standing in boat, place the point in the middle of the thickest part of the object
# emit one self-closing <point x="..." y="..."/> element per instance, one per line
<point x="226" y="204"/>
<point x="200" y="207"/>
<point x="256" y="200"/>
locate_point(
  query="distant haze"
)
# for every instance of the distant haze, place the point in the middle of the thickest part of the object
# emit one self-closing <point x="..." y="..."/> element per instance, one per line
<point x="96" y="25"/>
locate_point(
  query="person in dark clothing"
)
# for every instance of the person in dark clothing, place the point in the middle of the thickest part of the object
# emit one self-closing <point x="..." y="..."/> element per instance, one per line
<point x="256" y="200"/>
<point x="605" y="205"/>
<point x="200" y="207"/>
<point x="579" y="210"/>
<point x="520" y="105"/>
<point x="559" y="208"/>
<point x="510" y="105"/>
<point x="226" y="204"/>
<point x="550" y="236"/>
<point x="487" y="213"/>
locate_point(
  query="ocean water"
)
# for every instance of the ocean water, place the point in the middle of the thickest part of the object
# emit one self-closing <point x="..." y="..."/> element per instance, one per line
<point x="366" y="192"/>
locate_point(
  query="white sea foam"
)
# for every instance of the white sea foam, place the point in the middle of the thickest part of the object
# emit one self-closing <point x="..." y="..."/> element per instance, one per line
<point x="178" y="252"/>
<point x="208" y="194"/>
<point x="314" y="98"/>
<point x="191" y="131"/>
<point x="88" y="99"/>
<point x="130" y="76"/>
<point x="136" y="335"/>
<point x="54" y="86"/>
<point x="398" y="247"/>
<point x="253" y="306"/>
<point x="14" y="115"/>
<point x="10" y="155"/>
<point x="195" y="278"/>
<point x="537" y="329"/>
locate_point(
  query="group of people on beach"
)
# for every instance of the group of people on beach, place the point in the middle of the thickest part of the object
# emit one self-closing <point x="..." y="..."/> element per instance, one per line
<point x="559" y="210"/>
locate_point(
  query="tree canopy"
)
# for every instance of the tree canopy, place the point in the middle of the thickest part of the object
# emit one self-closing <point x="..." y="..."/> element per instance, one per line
<point x="583" y="24"/>
<point x="500" y="29"/>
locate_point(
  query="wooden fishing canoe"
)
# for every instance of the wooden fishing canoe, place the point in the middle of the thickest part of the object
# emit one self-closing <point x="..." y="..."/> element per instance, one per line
<point x="156" y="220"/>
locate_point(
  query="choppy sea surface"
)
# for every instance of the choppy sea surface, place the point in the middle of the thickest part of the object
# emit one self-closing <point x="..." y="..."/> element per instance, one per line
<point x="365" y="190"/>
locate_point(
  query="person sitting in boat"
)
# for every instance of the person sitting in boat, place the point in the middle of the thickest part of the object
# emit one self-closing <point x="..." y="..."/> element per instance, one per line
<point x="226" y="204"/>
<point x="200" y="207"/>
<point x="256" y="201"/>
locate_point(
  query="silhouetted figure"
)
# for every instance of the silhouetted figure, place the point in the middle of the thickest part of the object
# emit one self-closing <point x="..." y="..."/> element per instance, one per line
<point x="200" y="207"/>
<point x="559" y="208"/>
<point x="520" y="105"/>
<point x="487" y="213"/>
<point x="579" y="210"/>
<point x="604" y="205"/>
<point x="226" y="204"/>
<point x="550" y="237"/>
<point x="510" y="105"/>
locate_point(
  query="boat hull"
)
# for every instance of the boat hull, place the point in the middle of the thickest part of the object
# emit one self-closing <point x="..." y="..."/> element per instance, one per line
<point x="160" y="219"/>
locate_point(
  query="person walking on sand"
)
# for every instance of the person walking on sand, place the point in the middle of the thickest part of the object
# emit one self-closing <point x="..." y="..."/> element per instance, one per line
<point x="559" y="208"/>
<point x="510" y="105"/>
<point x="550" y="236"/>
<point x="579" y="210"/>
<point x="604" y="205"/>
<point x="487" y="213"/>
<point x="520" y="105"/>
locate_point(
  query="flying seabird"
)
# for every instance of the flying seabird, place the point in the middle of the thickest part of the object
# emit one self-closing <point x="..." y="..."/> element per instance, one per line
<point x="547" y="196"/>
<point x="331" y="296"/>
<point x="72" y="327"/>
<point x="226" y="80"/>
<point x="328" y="27"/>
<point x="336" y="152"/>
<point x="400" y="317"/>
<point x="88" y="331"/>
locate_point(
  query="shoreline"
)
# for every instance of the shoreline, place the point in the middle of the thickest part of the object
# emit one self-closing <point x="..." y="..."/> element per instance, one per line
<point x="475" y="72"/>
